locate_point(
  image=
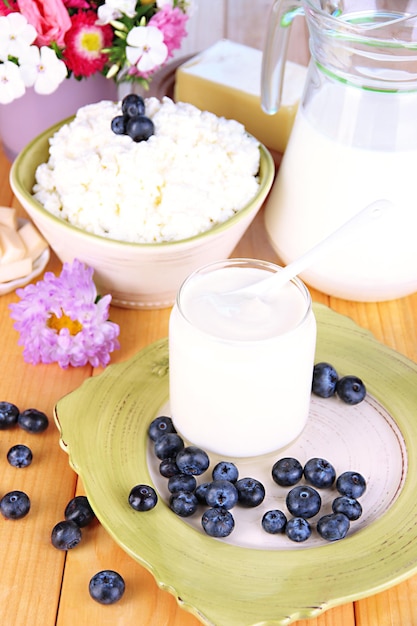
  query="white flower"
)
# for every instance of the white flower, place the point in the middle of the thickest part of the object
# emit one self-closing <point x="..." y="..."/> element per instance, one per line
<point x="113" y="9"/>
<point x="15" y="35"/>
<point x="146" y="49"/>
<point x="41" y="68"/>
<point x="11" y="83"/>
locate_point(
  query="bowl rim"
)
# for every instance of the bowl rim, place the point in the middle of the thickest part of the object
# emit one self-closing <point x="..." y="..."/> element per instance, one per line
<point x="266" y="175"/>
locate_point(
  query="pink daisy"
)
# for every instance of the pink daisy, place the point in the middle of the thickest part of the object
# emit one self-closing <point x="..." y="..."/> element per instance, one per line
<point x="84" y="43"/>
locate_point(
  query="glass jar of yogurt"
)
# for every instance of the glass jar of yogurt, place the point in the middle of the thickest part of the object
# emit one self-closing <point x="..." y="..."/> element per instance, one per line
<point x="241" y="367"/>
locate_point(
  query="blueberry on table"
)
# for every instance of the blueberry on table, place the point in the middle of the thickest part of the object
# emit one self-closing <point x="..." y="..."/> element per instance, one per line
<point x="325" y="378"/>
<point x="79" y="510"/>
<point x="192" y="460"/>
<point x="142" y="498"/>
<point x="251" y="492"/>
<point x="319" y="473"/>
<point x="333" y="527"/>
<point x="303" y="501"/>
<point x="298" y="529"/>
<point x="160" y="426"/>
<point x="183" y="503"/>
<point x="221" y="494"/>
<point x="8" y="415"/>
<point x="274" y="521"/>
<point x="182" y="482"/>
<point x="351" y="389"/>
<point x="351" y="484"/>
<point x="15" y="505"/>
<point x="217" y="522"/>
<point x="20" y="455"/>
<point x="66" y="535"/>
<point x="106" y="587"/>
<point x="287" y="472"/>
<point x="225" y="470"/>
<point x="33" y="421"/>
<point x="351" y="507"/>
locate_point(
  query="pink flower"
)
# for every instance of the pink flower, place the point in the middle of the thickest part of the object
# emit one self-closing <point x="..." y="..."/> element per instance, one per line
<point x="49" y="17"/>
<point x="61" y="319"/>
<point x="171" y="22"/>
<point x="77" y="4"/>
<point x="84" y="43"/>
<point x="11" y="7"/>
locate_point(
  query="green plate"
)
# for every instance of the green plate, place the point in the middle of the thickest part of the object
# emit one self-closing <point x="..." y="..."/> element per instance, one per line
<point x="248" y="582"/>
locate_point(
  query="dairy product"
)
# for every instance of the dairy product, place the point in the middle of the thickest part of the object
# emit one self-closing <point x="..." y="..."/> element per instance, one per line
<point x="19" y="247"/>
<point x="240" y="377"/>
<point x="321" y="184"/>
<point x="225" y="79"/>
<point x="196" y="171"/>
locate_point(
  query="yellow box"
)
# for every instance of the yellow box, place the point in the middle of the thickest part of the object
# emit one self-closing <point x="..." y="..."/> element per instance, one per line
<point x="225" y="79"/>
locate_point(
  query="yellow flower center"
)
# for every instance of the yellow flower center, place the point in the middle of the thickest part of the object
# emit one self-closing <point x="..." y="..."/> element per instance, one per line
<point x="58" y="323"/>
<point x="91" y="41"/>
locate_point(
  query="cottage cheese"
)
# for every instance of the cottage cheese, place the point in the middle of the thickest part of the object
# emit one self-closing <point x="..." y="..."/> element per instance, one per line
<point x="197" y="171"/>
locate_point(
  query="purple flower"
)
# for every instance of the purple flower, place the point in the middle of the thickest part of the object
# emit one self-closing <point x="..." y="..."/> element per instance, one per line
<point x="61" y="319"/>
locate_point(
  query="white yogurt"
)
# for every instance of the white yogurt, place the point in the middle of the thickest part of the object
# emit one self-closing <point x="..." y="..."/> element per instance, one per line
<point x="240" y="377"/>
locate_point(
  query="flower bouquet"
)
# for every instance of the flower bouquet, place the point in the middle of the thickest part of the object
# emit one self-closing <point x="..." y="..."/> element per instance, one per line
<point x="43" y="42"/>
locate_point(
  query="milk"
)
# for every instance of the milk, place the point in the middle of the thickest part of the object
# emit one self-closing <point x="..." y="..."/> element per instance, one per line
<point x="322" y="182"/>
<point x="240" y="376"/>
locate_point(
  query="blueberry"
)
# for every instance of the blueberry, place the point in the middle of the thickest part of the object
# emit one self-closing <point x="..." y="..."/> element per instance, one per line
<point x="118" y="124"/>
<point x="192" y="460"/>
<point x="303" y="501"/>
<point x="66" y="535"/>
<point x="251" y="492"/>
<point x="201" y="491"/>
<point x="225" y="470"/>
<point x="349" y="506"/>
<point x="106" y="587"/>
<point x="298" y="529"/>
<point x="14" y="505"/>
<point x="20" y="455"/>
<point x="274" y="522"/>
<point x="140" y="128"/>
<point x="8" y="415"/>
<point x="184" y="503"/>
<point x="287" y="472"/>
<point x="142" y="498"/>
<point x="222" y="494"/>
<point x="78" y="510"/>
<point x="167" y="446"/>
<point x="160" y="426"/>
<point x="333" y="527"/>
<point x="168" y="468"/>
<point x="182" y="482"/>
<point x="351" y="389"/>
<point x="325" y="379"/>
<point x="218" y="522"/>
<point x="33" y="421"/>
<point x="133" y="105"/>
<point x="351" y="484"/>
<point x="319" y="473"/>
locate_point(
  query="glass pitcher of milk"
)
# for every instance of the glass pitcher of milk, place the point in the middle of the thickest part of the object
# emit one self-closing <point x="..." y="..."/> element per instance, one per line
<point x="354" y="141"/>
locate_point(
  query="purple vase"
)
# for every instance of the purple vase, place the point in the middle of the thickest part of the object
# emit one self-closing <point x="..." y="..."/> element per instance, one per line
<point x="25" y="118"/>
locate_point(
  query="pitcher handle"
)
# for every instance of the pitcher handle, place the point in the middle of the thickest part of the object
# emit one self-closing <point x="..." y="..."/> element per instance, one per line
<point x="274" y="55"/>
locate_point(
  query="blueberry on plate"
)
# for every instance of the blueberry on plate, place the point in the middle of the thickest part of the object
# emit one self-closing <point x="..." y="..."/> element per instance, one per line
<point x="351" y="484"/>
<point x="225" y="470"/>
<point x="319" y="473"/>
<point x="66" y="535"/>
<point x="142" y="498"/>
<point x="251" y="492"/>
<point x="168" y="468"/>
<point x="182" y="482"/>
<point x="8" y="415"/>
<point x="287" y="472"/>
<point x="106" y="587"/>
<point x="192" y="460"/>
<point x="351" y="389"/>
<point x="79" y="511"/>
<point x="201" y="491"/>
<point x="218" y="522"/>
<point x="33" y="421"/>
<point x="183" y="503"/>
<point x="167" y="446"/>
<point x="325" y="378"/>
<point x="20" y="455"/>
<point x="333" y="527"/>
<point x="221" y="494"/>
<point x="351" y="507"/>
<point x="15" y="505"/>
<point x="160" y="426"/>
<point x="303" y="501"/>
<point x="274" y="521"/>
<point x="298" y="529"/>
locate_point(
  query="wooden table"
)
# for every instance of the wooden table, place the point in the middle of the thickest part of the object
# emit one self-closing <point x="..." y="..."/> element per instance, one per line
<point x="42" y="586"/>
